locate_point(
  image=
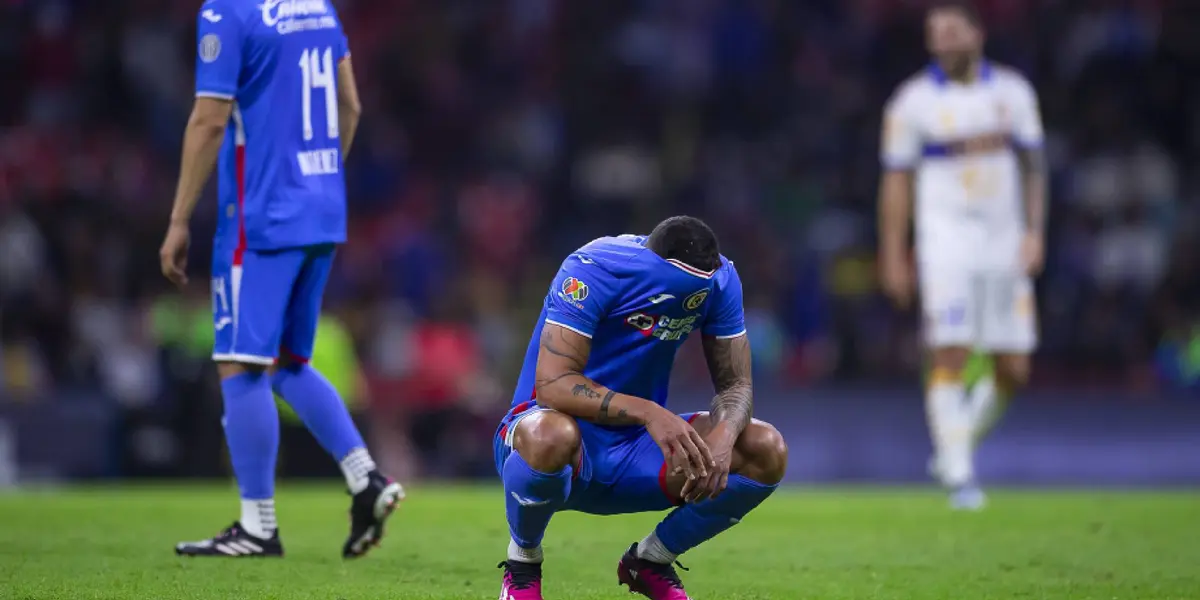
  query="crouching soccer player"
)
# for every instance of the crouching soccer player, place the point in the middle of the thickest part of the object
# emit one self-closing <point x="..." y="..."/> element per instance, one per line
<point x="588" y="429"/>
<point x="277" y="102"/>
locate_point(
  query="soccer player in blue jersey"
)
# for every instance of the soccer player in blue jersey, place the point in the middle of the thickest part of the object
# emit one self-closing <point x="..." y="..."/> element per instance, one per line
<point x="276" y="109"/>
<point x="588" y="429"/>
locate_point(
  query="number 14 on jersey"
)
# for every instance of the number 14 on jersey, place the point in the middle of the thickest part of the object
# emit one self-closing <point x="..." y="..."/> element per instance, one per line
<point x="316" y="72"/>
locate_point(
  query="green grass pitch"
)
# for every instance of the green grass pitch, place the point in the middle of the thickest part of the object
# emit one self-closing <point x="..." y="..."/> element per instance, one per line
<point x="444" y="543"/>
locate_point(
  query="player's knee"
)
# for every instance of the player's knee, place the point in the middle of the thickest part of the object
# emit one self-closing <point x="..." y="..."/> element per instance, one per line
<point x="548" y="441"/>
<point x="1012" y="371"/>
<point x="232" y="369"/>
<point x="951" y="360"/>
<point x="764" y="453"/>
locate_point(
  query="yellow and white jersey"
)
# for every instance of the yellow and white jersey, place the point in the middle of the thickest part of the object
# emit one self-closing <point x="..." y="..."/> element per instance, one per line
<point x="961" y="140"/>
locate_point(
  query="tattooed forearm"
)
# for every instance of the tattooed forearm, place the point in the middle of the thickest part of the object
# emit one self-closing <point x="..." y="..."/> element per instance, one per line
<point x="604" y="417"/>
<point x="729" y="364"/>
<point x="734" y="405"/>
<point x="560" y="383"/>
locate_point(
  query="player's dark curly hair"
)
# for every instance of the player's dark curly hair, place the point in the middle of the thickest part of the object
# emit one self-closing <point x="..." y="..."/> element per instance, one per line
<point x="966" y="8"/>
<point x="688" y="240"/>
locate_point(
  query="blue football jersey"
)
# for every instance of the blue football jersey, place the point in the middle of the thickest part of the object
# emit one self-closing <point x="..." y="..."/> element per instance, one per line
<point x="280" y="178"/>
<point x="638" y="308"/>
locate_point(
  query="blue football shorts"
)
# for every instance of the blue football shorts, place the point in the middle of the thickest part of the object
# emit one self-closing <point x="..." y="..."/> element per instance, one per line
<point x="267" y="302"/>
<point x="620" y="471"/>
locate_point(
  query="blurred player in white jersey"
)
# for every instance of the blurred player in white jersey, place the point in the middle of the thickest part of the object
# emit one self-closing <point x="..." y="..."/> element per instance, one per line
<point x="964" y="137"/>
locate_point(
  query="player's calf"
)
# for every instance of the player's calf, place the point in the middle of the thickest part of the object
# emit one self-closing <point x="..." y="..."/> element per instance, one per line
<point x="758" y="465"/>
<point x="251" y="424"/>
<point x="324" y="413"/>
<point x="990" y="396"/>
<point x="537" y="481"/>
<point x="1012" y="372"/>
<point x="949" y="417"/>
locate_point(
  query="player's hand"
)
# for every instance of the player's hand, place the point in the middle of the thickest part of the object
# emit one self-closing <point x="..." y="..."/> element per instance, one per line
<point x="173" y="254"/>
<point x="720" y="442"/>
<point x="1033" y="254"/>
<point x="896" y="277"/>
<point x="684" y="449"/>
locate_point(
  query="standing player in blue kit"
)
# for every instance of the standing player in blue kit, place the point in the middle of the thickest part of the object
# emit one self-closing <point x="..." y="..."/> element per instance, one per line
<point x="588" y="429"/>
<point x="276" y="109"/>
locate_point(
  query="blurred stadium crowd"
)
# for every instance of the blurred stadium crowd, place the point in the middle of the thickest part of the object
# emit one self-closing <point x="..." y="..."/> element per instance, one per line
<point x="498" y="136"/>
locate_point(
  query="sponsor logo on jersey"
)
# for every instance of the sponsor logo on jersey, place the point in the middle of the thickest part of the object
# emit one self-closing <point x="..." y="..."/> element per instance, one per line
<point x="695" y="300"/>
<point x="663" y="328"/>
<point x="210" y="47"/>
<point x="574" y="289"/>
<point x="671" y="330"/>
<point x="211" y="16"/>
<point x="291" y="16"/>
<point x="274" y="11"/>
<point x="661" y="298"/>
<point x="641" y="322"/>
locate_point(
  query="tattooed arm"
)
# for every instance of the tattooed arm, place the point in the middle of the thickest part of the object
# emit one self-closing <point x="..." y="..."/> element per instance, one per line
<point x="729" y="365"/>
<point x="561" y="384"/>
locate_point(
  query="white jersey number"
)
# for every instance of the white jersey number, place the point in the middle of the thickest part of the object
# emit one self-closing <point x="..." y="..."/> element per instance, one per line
<point x="316" y="70"/>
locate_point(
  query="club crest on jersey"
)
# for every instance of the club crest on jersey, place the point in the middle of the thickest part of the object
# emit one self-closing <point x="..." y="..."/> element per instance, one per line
<point x="695" y="300"/>
<point x="574" y="289"/>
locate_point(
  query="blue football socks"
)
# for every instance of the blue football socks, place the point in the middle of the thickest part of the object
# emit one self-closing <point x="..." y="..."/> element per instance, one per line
<point x="252" y="433"/>
<point x="531" y="497"/>
<point x="318" y="404"/>
<point x="691" y="525"/>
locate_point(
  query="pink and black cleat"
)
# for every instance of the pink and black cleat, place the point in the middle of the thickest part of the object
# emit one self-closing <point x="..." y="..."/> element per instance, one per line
<point x="655" y="581"/>
<point x="522" y="581"/>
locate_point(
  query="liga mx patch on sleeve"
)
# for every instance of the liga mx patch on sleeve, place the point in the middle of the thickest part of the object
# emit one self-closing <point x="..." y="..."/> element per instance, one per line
<point x="210" y="47"/>
<point x="574" y="289"/>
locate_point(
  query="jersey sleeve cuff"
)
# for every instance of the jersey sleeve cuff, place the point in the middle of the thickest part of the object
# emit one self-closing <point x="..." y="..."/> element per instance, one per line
<point x="727" y="336"/>
<point x="897" y="164"/>
<point x="572" y="327"/>
<point x="212" y="94"/>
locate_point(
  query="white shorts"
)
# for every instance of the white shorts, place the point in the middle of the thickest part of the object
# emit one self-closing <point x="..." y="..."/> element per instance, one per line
<point x="989" y="311"/>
